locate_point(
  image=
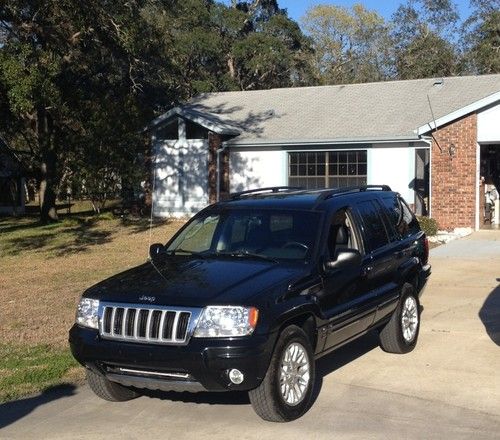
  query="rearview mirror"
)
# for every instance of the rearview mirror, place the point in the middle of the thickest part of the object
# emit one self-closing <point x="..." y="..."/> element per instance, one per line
<point x="344" y="258"/>
<point x="155" y="250"/>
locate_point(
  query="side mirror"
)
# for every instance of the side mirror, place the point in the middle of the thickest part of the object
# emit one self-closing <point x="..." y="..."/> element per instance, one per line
<point x="155" y="250"/>
<point x="344" y="258"/>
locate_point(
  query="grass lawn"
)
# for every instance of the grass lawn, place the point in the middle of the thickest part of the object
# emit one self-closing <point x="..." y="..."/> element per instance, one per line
<point x="43" y="271"/>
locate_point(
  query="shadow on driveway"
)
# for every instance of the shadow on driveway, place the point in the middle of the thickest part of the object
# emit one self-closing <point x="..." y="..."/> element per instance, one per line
<point x="11" y="412"/>
<point x="324" y="366"/>
<point x="490" y="314"/>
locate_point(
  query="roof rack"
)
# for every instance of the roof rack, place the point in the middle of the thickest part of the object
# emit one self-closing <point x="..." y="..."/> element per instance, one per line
<point x="327" y="194"/>
<point x="272" y="189"/>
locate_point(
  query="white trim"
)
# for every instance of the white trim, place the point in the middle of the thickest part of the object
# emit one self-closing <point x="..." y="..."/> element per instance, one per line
<point x="432" y="125"/>
<point x="478" y="193"/>
<point x="326" y="142"/>
<point x="218" y="126"/>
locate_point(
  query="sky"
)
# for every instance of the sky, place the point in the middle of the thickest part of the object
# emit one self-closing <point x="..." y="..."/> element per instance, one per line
<point x="297" y="8"/>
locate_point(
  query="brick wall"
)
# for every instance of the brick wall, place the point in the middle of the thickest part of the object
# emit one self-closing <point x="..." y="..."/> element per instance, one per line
<point x="214" y="143"/>
<point x="453" y="177"/>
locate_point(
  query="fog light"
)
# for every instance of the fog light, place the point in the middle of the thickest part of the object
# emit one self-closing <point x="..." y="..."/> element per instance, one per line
<point x="236" y="376"/>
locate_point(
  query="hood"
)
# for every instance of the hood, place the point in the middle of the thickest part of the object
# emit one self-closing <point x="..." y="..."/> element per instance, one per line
<point x="188" y="282"/>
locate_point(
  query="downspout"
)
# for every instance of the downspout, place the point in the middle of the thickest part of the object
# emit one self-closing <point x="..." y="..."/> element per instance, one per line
<point x="429" y="141"/>
<point x="218" y="152"/>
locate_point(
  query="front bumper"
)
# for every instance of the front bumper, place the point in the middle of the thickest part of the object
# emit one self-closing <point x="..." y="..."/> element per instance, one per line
<point x="201" y="365"/>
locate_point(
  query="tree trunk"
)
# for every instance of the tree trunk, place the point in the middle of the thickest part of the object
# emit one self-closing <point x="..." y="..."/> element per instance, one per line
<point x="48" y="212"/>
<point x="149" y="174"/>
<point x="45" y="134"/>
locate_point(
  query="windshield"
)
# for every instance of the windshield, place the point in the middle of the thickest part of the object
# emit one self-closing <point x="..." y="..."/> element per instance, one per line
<point x="270" y="234"/>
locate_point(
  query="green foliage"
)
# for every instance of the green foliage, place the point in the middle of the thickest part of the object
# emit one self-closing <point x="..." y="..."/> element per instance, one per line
<point x="27" y="369"/>
<point x="351" y="45"/>
<point x="481" y="36"/>
<point x="428" y="225"/>
<point x="79" y="80"/>
<point x="421" y="39"/>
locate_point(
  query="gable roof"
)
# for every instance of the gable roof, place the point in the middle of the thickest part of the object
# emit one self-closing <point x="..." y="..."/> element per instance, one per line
<point x="391" y="110"/>
<point x="205" y="119"/>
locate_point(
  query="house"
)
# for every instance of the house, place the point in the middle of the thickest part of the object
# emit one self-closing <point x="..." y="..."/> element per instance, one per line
<point x="12" y="182"/>
<point x="430" y="139"/>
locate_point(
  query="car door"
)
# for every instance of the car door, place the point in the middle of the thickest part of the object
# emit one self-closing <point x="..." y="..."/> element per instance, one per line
<point x="402" y="227"/>
<point x="380" y="270"/>
<point x="341" y="299"/>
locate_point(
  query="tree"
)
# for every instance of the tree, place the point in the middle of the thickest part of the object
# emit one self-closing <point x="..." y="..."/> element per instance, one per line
<point x="262" y="47"/>
<point x="351" y="45"/>
<point x="421" y="35"/>
<point x="65" y="65"/>
<point x="80" y="79"/>
<point x="481" y="32"/>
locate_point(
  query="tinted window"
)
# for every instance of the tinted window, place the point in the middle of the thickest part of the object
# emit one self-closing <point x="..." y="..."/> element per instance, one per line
<point x="375" y="233"/>
<point x="276" y="234"/>
<point x="400" y="216"/>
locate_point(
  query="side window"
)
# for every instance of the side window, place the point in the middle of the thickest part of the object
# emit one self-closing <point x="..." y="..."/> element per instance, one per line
<point x="411" y="225"/>
<point x="402" y="219"/>
<point x="342" y="234"/>
<point x="375" y="232"/>
<point x="394" y="214"/>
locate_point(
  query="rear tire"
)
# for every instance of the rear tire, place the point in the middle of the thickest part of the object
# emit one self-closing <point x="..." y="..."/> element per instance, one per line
<point x="285" y="393"/>
<point x="108" y="390"/>
<point x="400" y="334"/>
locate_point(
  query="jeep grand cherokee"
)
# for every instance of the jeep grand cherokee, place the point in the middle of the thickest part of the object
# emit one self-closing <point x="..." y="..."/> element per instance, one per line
<point x="251" y="291"/>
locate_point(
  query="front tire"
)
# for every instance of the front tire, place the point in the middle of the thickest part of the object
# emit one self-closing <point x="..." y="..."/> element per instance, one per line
<point x="400" y="334"/>
<point x="108" y="390"/>
<point x="285" y="393"/>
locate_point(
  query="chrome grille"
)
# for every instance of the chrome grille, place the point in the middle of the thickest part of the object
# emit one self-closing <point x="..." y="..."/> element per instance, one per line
<point x="153" y="325"/>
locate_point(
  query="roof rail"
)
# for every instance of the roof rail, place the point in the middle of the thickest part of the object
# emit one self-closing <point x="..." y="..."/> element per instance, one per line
<point x="327" y="194"/>
<point x="272" y="189"/>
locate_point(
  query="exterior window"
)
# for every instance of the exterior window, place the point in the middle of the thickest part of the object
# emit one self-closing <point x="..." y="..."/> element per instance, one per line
<point x="195" y="131"/>
<point x="401" y="218"/>
<point x="327" y="169"/>
<point x="375" y="233"/>
<point x="169" y="131"/>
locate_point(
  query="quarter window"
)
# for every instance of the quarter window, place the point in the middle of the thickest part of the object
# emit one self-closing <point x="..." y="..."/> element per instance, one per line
<point x="401" y="218"/>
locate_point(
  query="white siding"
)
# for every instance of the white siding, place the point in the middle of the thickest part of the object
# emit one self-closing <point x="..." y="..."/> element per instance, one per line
<point x="393" y="165"/>
<point x="181" y="184"/>
<point x="488" y="125"/>
<point x="257" y="169"/>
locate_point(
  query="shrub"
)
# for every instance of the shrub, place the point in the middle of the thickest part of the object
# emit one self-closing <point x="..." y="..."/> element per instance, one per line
<point x="428" y="225"/>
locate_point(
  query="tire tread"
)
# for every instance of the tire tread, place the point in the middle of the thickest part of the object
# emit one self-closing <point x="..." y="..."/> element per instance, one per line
<point x="107" y="390"/>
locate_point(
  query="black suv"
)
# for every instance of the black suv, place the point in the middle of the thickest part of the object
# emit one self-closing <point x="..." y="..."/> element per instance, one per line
<point x="251" y="291"/>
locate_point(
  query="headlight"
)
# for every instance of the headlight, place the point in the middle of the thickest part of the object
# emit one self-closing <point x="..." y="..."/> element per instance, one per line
<point x="226" y="321"/>
<point x="86" y="313"/>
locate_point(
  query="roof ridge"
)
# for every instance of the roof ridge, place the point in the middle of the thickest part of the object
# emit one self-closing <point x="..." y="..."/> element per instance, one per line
<point x="389" y="81"/>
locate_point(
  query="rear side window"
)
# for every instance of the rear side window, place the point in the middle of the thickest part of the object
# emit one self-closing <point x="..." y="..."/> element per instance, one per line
<point x="375" y="232"/>
<point x="401" y="217"/>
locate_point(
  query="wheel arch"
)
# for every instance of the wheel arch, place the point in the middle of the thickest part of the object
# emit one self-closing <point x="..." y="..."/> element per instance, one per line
<point x="306" y="320"/>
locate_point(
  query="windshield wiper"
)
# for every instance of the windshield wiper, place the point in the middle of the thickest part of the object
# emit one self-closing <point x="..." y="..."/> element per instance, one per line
<point x="246" y="254"/>
<point x="185" y="251"/>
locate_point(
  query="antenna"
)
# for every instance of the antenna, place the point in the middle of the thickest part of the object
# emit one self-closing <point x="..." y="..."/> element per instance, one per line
<point x="435" y="125"/>
<point x="153" y="164"/>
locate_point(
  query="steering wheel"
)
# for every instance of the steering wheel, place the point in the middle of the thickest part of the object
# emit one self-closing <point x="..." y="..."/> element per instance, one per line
<point x="295" y="244"/>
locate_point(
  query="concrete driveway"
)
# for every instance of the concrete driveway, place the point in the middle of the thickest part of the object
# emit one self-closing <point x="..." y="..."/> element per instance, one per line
<point x="449" y="387"/>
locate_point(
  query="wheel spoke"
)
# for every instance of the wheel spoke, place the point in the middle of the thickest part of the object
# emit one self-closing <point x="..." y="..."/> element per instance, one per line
<point x="409" y="319"/>
<point x="294" y="376"/>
